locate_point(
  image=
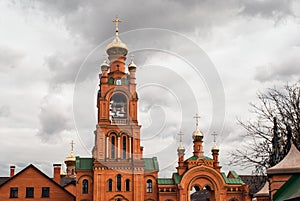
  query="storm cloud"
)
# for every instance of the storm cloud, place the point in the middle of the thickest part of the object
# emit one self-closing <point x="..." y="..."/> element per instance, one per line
<point x="51" y="50"/>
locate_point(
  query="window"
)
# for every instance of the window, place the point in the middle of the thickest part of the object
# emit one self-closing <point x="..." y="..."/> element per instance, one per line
<point x="85" y="186"/>
<point x="110" y="185"/>
<point x="113" y="143"/>
<point x="124" y="147"/>
<point x="13" y="192"/>
<point x="29" y="192"/>
<point x="149" y="186"/>
<point x="127" y="183"/>
<point x="118" y="82"/>
<point x="119" y="182"/>
<point x="118" y="108"/>
<point x="45" y="192"/>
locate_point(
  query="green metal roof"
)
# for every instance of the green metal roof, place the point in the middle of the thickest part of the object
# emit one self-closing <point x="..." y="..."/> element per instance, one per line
<point x="196" y="157"/>
<point x="165" y="181"/>
<point x="289" y="189"/>
<point x="235" y="180"/>
<point x="177" y="177"/>
<point x="151" y="163"/>
<point x="84" y="163"/>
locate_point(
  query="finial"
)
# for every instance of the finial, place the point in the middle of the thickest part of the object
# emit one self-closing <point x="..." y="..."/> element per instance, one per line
<point x="180" y="138"/>
<point x="215" y="136"/>
<point x="117" y="20"/>
<point x="132" y="57"/>
<point x="72" y="146"/>
<point x="197" y="117"/>
<point x="215" y="140"/>
<point x="104" y="57"/>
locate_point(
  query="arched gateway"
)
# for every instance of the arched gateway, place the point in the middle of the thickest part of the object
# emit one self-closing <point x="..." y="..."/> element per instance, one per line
<point x="199" y="178"/>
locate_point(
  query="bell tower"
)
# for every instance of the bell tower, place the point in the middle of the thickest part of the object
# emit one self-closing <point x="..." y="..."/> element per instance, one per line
<point x="117" y="152"/>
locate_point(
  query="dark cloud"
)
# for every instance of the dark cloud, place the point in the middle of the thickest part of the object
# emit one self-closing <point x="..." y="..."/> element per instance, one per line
<point x="4" y="111"/>
<point x="92" y="19"/>
<point x="55" y="118"/>
<point x="276" y="9"/>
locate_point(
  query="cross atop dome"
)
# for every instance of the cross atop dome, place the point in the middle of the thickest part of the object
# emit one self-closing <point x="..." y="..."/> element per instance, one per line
<point x="214" y="134"/>
<point x="197" y="117"/>
<point x="117" y="20"/>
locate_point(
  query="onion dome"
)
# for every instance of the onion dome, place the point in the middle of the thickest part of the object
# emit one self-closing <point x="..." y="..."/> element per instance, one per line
<point x="104" y="65"/>
<point x="197" y="133"/>
<point x="180" y="148"/>
<point x="71" y="157"/>
<point x="214" y="147"/>
<point x="117" y="47"/>
<point x="131" y="65"/>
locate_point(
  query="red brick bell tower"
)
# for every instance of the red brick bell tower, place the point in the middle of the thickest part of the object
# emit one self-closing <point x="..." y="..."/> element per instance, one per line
<point x="118" y="166"/>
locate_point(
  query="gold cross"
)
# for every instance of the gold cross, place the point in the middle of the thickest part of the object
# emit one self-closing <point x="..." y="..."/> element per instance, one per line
<point x="215" y="136"/>
<point x="117" y="23"/>
<point x="72" y="145"/>
<point x="197" y="117"/>
<point x="180" y="136"/>
<point x="132" y="57"/>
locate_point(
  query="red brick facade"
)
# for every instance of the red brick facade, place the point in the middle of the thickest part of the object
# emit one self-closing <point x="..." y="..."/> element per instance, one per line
<point x="31" y="177"/>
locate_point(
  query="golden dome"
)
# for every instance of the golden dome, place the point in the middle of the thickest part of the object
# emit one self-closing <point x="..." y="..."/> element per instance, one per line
<point x="131" y="64"/>
<point x="215" y="147"/>
<point x="117" y="47"/>
<point x="197" y="133"/>
<point x="104" y="64"/>
<point x="71" y="157"/>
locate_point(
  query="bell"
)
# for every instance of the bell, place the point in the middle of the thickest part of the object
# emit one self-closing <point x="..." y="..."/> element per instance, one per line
<point x="122" y="110"/>
<point x="113" y="108"/>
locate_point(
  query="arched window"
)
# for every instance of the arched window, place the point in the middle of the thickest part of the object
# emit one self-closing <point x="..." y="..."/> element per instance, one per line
<point x="118" y="107"/>
<point x="124" y="139"/>
<point x="110" y="185"/>
<point x="127" y="183"/>
<point x="85" y="186"/>
<point x="113" y="143"/>
<point x="149" y="186"/>
<point x="119" y="182"/>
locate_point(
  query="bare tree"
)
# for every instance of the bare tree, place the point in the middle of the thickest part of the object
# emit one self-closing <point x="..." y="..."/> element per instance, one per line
<point x="271" y="133"/>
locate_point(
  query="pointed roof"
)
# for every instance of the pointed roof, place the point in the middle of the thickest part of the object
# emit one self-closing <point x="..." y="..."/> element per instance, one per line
<point x="289" y="164"/>
<point x="31" y="166"/>
<point x="264" y="191"/>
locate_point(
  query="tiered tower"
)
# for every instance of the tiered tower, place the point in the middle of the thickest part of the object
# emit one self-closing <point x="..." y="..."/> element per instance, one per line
<point x="118" y="165"/>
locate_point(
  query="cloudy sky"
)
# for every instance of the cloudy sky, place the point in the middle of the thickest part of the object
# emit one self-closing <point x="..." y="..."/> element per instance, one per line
<point x="209" y="57"/>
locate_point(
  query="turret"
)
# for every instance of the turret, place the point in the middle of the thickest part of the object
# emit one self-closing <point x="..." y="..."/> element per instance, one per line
<point x="215" y="154"/>
<point x="180" y="153"/>
<point x="197" y="140"/>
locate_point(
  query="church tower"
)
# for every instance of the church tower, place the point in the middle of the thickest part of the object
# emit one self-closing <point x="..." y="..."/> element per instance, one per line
<point x="118" y="168"/>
